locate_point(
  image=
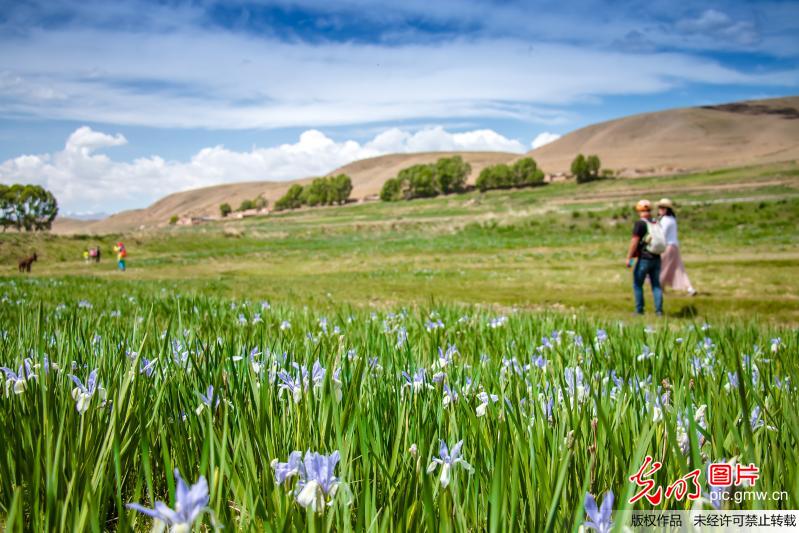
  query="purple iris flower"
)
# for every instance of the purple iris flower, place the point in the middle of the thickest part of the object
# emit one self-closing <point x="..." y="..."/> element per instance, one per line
<point x="316" y="481"/>
<point x="416" y="382"/>
<point x="147" y="367"/>
<point x="448" y="459"/>
<point x="190" y="503"/>
<point x="209" y="400"/>
<point x="599" y="519"/>
<point x="18" y="378"/>
<point x="83" y="394"/>
<point x="756" y="419"/>
<point x="285" y="471"/>
<point x="319" y="482"/>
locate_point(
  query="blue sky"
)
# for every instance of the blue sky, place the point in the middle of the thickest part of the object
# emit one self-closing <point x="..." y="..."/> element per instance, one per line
<point x="114" y="104"/>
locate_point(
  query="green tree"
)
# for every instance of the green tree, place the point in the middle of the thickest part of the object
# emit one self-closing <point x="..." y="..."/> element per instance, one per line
<point x="391" y="190"/>
<point x="317" y="193"/>
<point x="594" y="166"/>
<point x="450" y="174"/>
<point x="28" y="207"/>
<point x="173" y="220"/>
<point x="225" y="209"/>
<point x="292" y="199"/>
<point x="342" y="188"/>
<point x="586" y="169"/>
<point x="527" y="173"/>
<point x="421" y="181"/>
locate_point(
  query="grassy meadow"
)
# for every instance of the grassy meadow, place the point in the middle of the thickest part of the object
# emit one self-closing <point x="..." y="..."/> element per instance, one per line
<point x="498" y="324"/>
<point x="560" y="246"/>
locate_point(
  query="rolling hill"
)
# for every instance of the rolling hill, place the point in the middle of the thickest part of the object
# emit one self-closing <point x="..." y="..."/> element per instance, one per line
<point x="663" y="142"/>
<point x="695" y="138"/>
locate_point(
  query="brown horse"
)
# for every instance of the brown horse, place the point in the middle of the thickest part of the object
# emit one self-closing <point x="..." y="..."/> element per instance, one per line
<point x="25" y="264"/>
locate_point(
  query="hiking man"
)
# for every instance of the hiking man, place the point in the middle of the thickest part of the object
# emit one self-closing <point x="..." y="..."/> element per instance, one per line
<point x="647" y="243"/>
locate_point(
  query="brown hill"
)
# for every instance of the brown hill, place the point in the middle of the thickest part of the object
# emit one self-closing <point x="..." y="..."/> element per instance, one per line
<point x="368" y="176"/>
<point x="676" y="140"/>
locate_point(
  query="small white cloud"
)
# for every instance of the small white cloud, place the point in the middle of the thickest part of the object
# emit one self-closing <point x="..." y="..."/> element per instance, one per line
<point x="85" y="179"/>
<point x="544" y="138"/>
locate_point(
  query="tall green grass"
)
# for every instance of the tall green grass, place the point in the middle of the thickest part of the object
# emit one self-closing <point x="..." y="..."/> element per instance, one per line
<point x="65" y="471"/>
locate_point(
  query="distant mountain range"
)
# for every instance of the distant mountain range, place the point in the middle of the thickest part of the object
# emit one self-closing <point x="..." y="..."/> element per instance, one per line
<point x="663" y="142"/>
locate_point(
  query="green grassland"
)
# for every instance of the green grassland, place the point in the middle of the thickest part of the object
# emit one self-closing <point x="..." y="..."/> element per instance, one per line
<point x="577" y="404"/>
<point x="559" y="246"/>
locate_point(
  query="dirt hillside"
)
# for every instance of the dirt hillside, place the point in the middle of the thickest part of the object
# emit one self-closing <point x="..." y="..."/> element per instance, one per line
<point x="677" y="140"/>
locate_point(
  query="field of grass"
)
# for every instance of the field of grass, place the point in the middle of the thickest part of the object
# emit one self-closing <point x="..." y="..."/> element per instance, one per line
<point x="559" y="247"/>
<point x="548" y="407"/>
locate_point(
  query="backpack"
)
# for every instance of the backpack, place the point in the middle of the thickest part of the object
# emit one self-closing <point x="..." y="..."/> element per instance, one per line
<point x="655" y="238"/>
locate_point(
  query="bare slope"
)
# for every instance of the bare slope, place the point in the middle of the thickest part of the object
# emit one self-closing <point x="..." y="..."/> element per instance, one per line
<point x="743" y="133"/>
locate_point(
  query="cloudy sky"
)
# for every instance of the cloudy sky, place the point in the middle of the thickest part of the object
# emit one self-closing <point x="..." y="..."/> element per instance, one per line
<point x="113" y="104"/>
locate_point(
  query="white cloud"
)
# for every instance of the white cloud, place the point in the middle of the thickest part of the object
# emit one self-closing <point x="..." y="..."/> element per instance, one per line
<point x="86" y="180"/>
<point x="544" y="138"/>
<point x="237" y="81"/>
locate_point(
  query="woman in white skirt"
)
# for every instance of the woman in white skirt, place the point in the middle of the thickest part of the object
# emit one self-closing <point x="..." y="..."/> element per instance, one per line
<point x="672" y="269"/>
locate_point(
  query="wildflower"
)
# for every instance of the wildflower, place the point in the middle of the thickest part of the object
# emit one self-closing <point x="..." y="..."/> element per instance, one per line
<point x="147" y="367"/>
<point x="601" y="336"/>
<point x="290" y="385"/>
<point x="83" y="394"/>
<point x="432" y="325"/>
<point x="19" y="378"/>
<point x="416" y="382"/>
<point x="498" y="322"/>
<point x="402" y="337"/>
<point x="484" y="398"/>
<point x="445" y="358"/>
<point x="449" y="396"/>
<point x="756" y="418"/>
<point x="207" y="400"/>
<point x="190" y="503"/>
<point x="775" y="344"/>
<point x="285" y="325"/>
<point x="285" y="471"/>
<point x="645" y="354"/>
<point x="316" y="482"/>
<point x="599" y="518"/>
<point x="448" y="460"/>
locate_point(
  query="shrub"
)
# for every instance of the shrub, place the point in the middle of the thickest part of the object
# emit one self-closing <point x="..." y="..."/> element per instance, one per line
<point x="173" y="220"/>
<point x="260" y="202"/>
<point x="225" y="209"/>
<point x="246" y="205"/>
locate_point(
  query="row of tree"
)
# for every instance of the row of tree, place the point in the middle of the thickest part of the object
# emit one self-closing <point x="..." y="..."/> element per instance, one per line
<point x="445" y="176"/>
<point x="27" y="207"/>
<point x="328" y="190"/>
